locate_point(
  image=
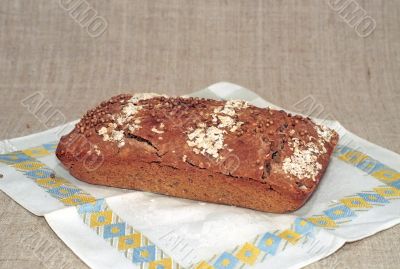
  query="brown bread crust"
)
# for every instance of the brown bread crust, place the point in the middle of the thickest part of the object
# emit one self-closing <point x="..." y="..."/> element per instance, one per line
<point x="214" y="151"/>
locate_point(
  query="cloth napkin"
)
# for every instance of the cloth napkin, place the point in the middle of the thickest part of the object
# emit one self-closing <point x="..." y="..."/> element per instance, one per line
<point x="116" y="228"/>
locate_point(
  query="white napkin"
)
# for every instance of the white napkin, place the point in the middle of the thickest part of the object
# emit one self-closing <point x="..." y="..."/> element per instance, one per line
<point x="358" y="196"/>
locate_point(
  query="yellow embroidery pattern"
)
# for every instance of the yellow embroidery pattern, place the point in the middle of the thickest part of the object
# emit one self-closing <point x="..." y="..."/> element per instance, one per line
<point x="386" y="175"/>
<point x="164" y="264"/>
<point x="36" y="152"/>
<point x="388" y="192"/>
<point x="369" y="165"/>
<point x="28" y="165"/>
<point x="323" y="222"/>
<point x="352" y="157"/>
<point x="129" y="241"/>
<point x="291" y="236"/>
<point x="49" y="183"/>
<point x="248" y="253"/>
<point x="100" y="218"/>
<point x="355" y="202"/>
<point x="124" y="238"/>
<point x="204" y="265"/>
<point x="61" y="189"/>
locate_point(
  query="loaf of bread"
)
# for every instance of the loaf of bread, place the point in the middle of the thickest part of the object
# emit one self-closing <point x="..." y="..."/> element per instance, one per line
<point x="225" y="152"/>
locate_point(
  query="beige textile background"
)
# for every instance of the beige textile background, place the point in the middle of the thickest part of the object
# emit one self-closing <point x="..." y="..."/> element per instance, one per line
<point x="283" y="50"/>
